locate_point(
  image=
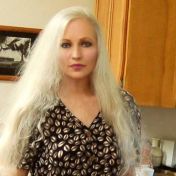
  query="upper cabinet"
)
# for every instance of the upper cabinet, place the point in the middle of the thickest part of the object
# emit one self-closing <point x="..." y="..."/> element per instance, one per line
<point x="141" y="39"/>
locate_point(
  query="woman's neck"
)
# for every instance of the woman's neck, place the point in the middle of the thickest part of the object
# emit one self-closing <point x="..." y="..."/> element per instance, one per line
<point x="75" y="88"/>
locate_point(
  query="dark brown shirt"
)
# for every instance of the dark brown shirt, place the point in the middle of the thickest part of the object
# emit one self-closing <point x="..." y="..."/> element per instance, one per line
<point x="69" y="147"/>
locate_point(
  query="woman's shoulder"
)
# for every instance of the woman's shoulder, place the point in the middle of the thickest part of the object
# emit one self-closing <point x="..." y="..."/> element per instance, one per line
<point x="131" y="105"/>
<point x="128" y="98"/>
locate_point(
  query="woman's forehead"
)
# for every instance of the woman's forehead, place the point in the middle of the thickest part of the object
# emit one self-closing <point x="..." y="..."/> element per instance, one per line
<point x="80" y="27"/>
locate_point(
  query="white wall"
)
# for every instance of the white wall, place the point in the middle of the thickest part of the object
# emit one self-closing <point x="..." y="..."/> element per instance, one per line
<point x="159" y="122"/>
<point x="34" y="13"/>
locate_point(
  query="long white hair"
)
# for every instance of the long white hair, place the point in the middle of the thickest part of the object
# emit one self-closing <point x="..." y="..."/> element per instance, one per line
<point x="37" y="91"/>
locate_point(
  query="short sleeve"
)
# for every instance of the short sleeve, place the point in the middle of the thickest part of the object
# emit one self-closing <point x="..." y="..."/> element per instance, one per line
<point x="136" y="118"/>
<point x="132" y="108"/>
<point x="31" y="151"/>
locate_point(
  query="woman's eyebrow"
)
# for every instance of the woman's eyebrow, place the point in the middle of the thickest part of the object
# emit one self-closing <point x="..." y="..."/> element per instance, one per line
<point x="80" y="39"/>
<point x="88" y="39"/>
<point x="66" y="40"/>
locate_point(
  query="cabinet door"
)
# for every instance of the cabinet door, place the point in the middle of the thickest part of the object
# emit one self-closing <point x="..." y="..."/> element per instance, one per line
<point x="150" y="67"/>
<point x="112" y="18"/>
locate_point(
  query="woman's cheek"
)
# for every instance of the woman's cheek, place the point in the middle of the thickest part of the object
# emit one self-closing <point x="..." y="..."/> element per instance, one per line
<point x="93" y="55"/>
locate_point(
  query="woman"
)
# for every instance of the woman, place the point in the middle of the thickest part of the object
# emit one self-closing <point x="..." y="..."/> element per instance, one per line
<point x="70" y="117"/>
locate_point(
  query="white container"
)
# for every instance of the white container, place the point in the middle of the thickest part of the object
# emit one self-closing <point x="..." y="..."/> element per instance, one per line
<point x="169" y="153"/>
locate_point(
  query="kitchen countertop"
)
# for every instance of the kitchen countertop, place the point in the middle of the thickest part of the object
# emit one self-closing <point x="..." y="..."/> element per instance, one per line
<point x="165" y="173"/>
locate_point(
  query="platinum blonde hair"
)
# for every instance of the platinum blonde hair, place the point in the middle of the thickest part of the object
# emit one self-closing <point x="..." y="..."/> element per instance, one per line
<point x="37" y="91"/>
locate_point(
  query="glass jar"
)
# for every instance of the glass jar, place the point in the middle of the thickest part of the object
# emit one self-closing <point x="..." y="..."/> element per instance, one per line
<point x="156" y="152"/>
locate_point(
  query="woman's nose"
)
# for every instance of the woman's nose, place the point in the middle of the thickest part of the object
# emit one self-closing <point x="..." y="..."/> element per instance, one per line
<point x="76" y="53"/>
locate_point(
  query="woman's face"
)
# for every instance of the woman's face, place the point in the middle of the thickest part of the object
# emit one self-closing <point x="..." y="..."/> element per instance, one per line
<point x="78" y="50"/>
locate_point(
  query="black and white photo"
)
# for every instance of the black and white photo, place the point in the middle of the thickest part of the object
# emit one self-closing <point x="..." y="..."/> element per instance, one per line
<point x="15" y="46"/>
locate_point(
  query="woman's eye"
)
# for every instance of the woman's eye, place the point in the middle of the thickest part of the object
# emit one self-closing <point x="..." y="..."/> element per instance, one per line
<point x="65" y="45"/>
<point x="86" y="44"/>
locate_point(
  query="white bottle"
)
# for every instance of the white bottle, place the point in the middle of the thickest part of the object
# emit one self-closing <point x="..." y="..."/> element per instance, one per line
<point x="156" y="152"/>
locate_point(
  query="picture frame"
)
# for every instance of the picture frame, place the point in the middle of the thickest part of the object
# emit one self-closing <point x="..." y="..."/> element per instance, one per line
<point x="15" y="45"/>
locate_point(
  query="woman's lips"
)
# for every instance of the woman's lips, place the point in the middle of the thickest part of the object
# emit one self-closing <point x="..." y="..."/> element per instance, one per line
<point x="77" y="66"/>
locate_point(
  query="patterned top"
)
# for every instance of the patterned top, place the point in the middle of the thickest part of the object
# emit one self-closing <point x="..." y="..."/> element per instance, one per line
<point x="69" y="147"/>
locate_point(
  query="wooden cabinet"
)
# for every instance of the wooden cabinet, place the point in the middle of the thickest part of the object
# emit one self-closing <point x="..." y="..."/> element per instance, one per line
<point x="141" y="39"/>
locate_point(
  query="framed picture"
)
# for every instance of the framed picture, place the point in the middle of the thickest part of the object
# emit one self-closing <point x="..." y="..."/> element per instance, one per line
<point x="15" y="45"/>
